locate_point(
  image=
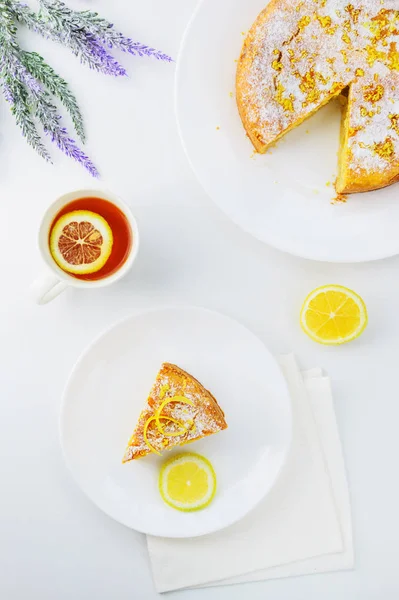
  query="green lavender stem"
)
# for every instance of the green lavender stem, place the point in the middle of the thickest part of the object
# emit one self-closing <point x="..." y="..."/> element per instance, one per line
<point x="16" y="95"/>
<point x="57" y="86"/>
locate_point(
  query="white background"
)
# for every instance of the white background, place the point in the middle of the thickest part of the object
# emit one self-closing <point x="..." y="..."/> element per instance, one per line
<point x="54" y="545"/>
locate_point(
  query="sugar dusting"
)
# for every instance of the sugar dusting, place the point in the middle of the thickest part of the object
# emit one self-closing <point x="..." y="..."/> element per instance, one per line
<point x="202" y="419"/>
<point x="303" y="52"/>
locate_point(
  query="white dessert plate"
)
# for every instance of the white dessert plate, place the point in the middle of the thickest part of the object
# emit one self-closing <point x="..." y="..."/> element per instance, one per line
<point x="108" y="389"/>
<point x="283" y="198"/>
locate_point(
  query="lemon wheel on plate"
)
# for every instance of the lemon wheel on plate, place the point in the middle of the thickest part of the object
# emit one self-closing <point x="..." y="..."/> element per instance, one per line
<point x="187" y="482"/>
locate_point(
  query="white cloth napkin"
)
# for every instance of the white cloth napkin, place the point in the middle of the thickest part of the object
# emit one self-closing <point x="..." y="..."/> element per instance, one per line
<point x="303" y="526"/>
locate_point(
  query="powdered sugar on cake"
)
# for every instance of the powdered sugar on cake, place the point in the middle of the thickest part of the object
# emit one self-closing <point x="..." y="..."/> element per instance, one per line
<point x="304" y="52"/>
<point x="197" y="420"/>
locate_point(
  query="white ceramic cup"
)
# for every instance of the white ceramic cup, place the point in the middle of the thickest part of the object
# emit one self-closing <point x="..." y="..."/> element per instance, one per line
<point x="54" y="280"/>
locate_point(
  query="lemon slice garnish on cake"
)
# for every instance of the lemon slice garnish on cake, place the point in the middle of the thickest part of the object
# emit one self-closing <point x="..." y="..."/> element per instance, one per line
<point x="81" y="242"/>
<point x="333" y="315"/>
<point x="187" y="482"/>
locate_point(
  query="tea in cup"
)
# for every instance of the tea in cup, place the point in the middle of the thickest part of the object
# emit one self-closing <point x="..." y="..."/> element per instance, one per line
<point x="87" y="238"/>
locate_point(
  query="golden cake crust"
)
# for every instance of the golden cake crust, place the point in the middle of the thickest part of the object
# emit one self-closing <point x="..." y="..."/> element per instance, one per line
<point x="206" y="414"/>
<point x="299" y="54"/>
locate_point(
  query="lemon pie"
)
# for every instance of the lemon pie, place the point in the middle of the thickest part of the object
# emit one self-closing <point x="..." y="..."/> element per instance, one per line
<point x="299" y="54"/>
<point x="179" y="410"/>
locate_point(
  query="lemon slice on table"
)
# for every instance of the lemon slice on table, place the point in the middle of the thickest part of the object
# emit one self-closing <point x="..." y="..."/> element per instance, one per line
<point x="187" y="482"/>
<point x="81" y="242"/>
<point x="333" y="315"/>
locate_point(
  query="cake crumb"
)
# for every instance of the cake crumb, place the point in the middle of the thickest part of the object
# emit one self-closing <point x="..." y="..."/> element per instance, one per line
<point x="339" y="199"/>
<point x="328" y="183"/>
<point x="217" y="128"/>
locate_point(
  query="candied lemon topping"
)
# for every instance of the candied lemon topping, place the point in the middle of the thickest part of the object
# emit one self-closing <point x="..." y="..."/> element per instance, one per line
<point x="146" y="425"/>
<point x="181" y="399"/>
<point x="183" y="426"/>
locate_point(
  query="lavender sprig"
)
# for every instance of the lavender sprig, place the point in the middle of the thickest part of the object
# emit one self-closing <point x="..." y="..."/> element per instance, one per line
<point x="83" y="44"/>
<point x="16" y="95"/>
<point x="57" y="86"/>
<point x="47" y="115"/>
<point x="92" y="53"/>
<point x="28" y="83"/>
<point x="62" y="16"/>
<point x="23" y="14"/>
<point x="28" y="100"/>
<point x="14" y="83"/>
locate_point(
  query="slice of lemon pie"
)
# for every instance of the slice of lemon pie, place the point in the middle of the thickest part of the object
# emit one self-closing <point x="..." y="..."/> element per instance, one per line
<point x="179" y="410"/>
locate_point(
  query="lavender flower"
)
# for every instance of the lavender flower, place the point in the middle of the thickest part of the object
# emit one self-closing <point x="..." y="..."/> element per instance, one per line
<point x="10" y="62"/>
<point x="47" y="115"/>
<point x="7" y="93"/>
<point x="113" y="39"/>
<point x="135" y="48"/>
<point x="27" y="97"/>
<point x="27" y="81"/>
<point x="23" y="14"/>
<point x="64" y="18"/>
<point x="16" y="95"/>
<point x="69" y="147"/>
<point x="92" y="53"/>
<point x="57" y="86"/>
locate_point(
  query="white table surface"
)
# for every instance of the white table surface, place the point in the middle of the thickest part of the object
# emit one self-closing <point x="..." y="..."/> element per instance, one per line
<point x="54" y="545"/>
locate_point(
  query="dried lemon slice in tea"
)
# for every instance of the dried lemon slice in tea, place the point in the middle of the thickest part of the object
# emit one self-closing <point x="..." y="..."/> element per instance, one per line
<point x="187" y="482"/>
<point x="333" y="315"/>
<point x="81" y="242"/>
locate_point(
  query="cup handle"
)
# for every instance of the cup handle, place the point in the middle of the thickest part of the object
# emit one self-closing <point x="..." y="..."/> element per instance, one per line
<point x="47" y="287"/>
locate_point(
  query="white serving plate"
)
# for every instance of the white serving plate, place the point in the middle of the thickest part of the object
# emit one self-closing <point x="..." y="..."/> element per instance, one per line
<point x="282" y="198"/>
<point x="107" y="391"/>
